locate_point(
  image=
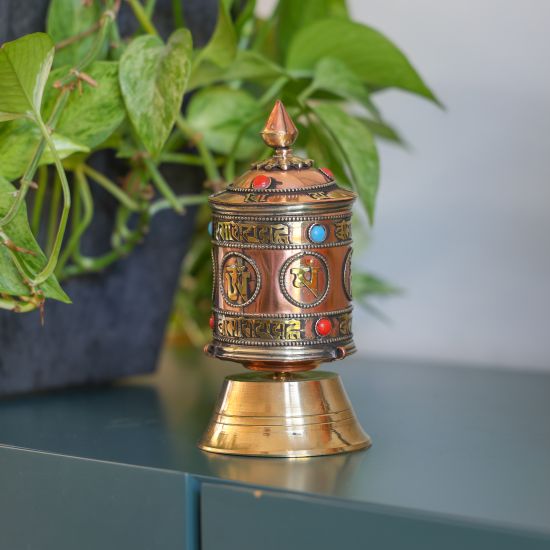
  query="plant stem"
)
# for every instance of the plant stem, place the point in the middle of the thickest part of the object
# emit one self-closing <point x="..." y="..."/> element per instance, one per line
<point x="39" y="199"/>
<point x="28" y="176"/>
<point x="177" y="14"/>
<point x="229" y="171"/>
<point x="17" y="306"/>
<point x="85" y="196"/>
<point x="142" y="17"/>
<point x="111" y="187"/>
<point x="150" y="7"/>
<point x="303" y="97"/>
<point x="78" y="226"/>
<point x="181" y="158"/>
<point x="162" y="185"/>
<point x="52" y="261"/>
<point x="79" y="36"/>
<point x="270" y="94"/>
<point x="53" y="215"/>
<point x="121" y="232"/>
<point x="115" y="42"/>
<point x="18" y="265"/>
<point x="182" y="200"/>
<point x="212" y="172"/>
<point x="107" y="18"/>
<point x="92" y="265"/>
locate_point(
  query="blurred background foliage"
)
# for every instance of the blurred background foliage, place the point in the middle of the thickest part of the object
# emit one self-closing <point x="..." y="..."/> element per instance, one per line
<point x="124" y="95"/>
<point x="326" y="69"/>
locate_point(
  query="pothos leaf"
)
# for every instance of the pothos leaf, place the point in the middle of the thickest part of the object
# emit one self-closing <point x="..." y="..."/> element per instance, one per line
<point x="67" y="18"/>
<point x="153" y="78"/>
<point x="33" y="260"/>
<point x="24" y="67"/>
<point x="18" y="142"/>
<point x="247" y="65"/>
<point x="92" y="115"/>
<point x="365" y="285"/>
<point x="357" y="147"/>
<point x="332" y="75"/>
<point x="320" y="148"/>
<point x="220" y="114"/>
<point x="368" y="53"/>
<point x="383" y="130"/>
<point x="222" y="46"/>
<point x="291" y="16"/>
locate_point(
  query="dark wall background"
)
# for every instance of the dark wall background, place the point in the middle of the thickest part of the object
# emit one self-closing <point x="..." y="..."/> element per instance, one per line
<point x="20" y="17"/>
<point x="116" y="324"/>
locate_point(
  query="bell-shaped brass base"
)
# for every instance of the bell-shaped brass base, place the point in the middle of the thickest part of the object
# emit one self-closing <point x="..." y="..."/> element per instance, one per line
<point x="303" y="414"/>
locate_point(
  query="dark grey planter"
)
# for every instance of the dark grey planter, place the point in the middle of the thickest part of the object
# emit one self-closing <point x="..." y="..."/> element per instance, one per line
<point x="116" y="324"/>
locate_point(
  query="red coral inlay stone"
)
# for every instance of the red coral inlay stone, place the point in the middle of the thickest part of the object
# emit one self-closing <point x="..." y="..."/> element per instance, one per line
<point x="261" y="182"/>
<point x="323" y="326"/>
<point x="328" y="173"/>
<point x="211" y="322"/>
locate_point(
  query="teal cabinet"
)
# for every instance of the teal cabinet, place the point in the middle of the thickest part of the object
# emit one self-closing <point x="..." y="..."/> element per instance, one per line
<point x="52" y="502"/>
<point x="460" y="461"/>
<point x="242" y="518"/>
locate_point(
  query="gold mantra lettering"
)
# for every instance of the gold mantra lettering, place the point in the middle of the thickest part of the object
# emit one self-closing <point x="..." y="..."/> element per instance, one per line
<point x="342" y="230"/>
<point x="236" y="282"/>
<point x="253" y="233"/>
<point x="319" y="195"/>
<point x="306" y="276"/>
<point x="344" y="322"/>
<point x="255" y="197"/>
<point x="262" y="329"/>
<point x="335" y="194"/>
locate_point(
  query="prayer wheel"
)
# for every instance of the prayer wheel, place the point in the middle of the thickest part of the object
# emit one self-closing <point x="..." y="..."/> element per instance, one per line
<point x="282" y="304"/>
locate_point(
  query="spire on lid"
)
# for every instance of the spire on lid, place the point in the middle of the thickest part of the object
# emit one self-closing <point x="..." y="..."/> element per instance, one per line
<point x="280" y="133"/>
<point x="279" y="130"/>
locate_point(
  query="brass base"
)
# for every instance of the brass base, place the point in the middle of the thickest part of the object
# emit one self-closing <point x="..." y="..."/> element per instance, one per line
<point x="298" y="415"/>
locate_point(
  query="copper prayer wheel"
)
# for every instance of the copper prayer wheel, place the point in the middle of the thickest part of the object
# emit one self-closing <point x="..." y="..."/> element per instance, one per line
<point x="281" y="252"/>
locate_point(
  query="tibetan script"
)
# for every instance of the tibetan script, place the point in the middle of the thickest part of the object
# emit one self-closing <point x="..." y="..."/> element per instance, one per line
<point x="253" y="233"/>
<point x="262" y="329"/>
<point x="344" y="322"/>
<point x="342" y="230"/>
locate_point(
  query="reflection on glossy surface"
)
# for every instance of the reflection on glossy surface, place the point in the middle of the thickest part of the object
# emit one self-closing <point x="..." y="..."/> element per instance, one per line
<point x="313" y="475"/>
<point x="105" y="422"/>
<point x="448" y="440"/>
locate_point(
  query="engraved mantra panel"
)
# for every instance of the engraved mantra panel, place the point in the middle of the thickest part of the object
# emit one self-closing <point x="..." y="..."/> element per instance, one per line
<point x="279" y="233"/>
<point x="304" y="279"/>
<point x="240" y="279"/>
<point x="252" y="233"/>
<point x="262" y="329"/>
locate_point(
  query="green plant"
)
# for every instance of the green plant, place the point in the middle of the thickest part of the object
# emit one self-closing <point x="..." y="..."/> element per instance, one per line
<point x="105" y="92"/>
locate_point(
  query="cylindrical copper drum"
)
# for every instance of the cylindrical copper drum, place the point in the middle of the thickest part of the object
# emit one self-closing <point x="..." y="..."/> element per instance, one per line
<point x="281" y="250"/>
<point x="282" y="268"/>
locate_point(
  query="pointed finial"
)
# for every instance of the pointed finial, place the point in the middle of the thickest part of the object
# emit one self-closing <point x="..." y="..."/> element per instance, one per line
<point x="279" y="130"/>
<point x="280" y="133"/>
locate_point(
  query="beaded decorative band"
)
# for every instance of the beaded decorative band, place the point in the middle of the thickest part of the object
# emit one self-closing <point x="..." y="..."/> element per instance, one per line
<point x="228" y="232"/>
<point x="275" y="330"/>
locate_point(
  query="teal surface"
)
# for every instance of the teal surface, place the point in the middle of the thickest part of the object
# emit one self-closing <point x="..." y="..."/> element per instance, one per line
<point x="248" y="519"/>
<point x="452" y="446"/>
<point x="52" y="502"/>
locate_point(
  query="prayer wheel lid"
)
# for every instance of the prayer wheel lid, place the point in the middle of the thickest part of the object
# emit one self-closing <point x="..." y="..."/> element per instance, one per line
<point x="284" y="179"/>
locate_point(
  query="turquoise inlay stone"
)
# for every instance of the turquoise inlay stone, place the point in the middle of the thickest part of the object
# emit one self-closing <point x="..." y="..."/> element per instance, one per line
<point x="210" y="228"/>
<point x="317" y="233"/>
